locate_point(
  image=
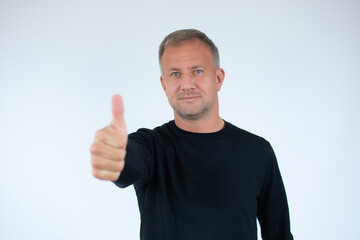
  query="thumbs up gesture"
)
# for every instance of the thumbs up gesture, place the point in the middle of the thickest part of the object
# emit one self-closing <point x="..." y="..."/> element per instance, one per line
<point x="109" y="148"/>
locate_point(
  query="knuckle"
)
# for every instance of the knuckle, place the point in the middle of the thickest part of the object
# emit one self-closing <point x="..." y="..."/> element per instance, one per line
<point x="95" y="162"/>
<point x="94" y="149"/>
<point x="96" y="173"/>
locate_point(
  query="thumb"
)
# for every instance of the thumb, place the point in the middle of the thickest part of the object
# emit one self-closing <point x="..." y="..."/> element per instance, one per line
<point x="117" y="108"/>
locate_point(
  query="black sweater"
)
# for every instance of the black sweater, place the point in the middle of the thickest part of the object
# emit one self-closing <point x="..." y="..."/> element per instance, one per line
<point x="205" y="186"/>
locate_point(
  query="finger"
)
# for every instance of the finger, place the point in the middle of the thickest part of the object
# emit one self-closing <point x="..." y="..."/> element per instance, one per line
<point x="107" y="164"/>
<point x="110" y="136"/>
<point x="117" y="108"/>
<point x="108" y="152"/>
<point x="105" y="175"/>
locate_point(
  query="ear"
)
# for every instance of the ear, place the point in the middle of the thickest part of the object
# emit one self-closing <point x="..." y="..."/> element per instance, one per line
<point x="162" y="83"/>
<point x="220" y="76"/>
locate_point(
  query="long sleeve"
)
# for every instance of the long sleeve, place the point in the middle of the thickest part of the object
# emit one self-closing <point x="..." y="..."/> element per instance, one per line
<point x="273" y="211"/>
<point x="138" y="160"/>
<point x="205" y="186"/>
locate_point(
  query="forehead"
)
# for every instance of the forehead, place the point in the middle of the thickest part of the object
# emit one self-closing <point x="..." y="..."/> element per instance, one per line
<point x="188" y="52"/>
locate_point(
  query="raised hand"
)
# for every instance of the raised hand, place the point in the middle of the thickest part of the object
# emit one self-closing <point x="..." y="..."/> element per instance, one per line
<point x="109" y="148"/>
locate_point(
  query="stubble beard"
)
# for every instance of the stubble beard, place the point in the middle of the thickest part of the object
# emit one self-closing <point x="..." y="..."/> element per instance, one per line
<point x="193" y="114"/>
<point x="189" y="115"/>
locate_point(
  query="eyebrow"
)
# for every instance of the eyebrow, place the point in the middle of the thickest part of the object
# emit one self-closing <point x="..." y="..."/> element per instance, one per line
<point x="197" y="66"/>
<point x="174" y="69"/>
<point x="192" y="67"/>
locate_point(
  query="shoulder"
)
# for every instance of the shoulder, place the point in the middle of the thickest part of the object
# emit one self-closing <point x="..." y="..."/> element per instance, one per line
<point x="250" y="141"/>
<point x="254" y="145"/>
<point x="145" y="135"/>
<point x="244" y="136"/>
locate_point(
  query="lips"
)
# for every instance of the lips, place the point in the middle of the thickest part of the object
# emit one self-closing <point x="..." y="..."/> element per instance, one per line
<point x="189" y="97"/>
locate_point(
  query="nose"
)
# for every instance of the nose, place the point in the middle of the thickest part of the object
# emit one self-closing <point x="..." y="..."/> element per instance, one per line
<point x="187" y="82"/>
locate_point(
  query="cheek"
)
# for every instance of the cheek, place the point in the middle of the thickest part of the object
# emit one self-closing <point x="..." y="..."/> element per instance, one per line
<point x="169" y="91"/>
<point x="172" y="88"/>
<point x="208" y="86"/>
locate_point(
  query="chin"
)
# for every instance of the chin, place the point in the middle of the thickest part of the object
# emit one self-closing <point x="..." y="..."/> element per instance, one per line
<point x="189" y="115"/>
<point x="194" y="117"/>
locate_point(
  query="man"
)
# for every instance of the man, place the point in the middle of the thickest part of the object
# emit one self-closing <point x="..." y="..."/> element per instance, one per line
<point x="198" y="176"/>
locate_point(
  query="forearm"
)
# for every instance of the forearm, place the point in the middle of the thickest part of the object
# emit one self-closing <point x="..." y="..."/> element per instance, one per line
<point x="138" y="165"/>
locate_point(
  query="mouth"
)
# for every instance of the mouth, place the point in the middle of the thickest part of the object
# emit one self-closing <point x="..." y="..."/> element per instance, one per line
<point x="189" y="98"/>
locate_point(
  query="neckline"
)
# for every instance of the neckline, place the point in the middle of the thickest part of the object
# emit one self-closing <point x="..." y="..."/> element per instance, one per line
<point x="213" y="135"/>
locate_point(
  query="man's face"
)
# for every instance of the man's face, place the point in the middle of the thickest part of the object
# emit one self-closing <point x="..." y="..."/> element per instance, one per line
<point x="190" y="80"/>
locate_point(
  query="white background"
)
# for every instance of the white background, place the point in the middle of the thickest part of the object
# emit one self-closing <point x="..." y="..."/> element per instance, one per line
<point x="292" y="76"/>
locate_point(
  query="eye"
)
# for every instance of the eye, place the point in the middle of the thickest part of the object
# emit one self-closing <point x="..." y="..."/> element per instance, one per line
<point x="197" y="72"/>
<point x="175" y="74"/>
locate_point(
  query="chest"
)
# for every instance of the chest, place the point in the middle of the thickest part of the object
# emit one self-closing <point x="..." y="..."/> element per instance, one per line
<point x="217" y="171"/>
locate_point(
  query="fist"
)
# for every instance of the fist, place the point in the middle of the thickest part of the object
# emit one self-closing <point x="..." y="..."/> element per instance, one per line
<point x="109" y="148"/>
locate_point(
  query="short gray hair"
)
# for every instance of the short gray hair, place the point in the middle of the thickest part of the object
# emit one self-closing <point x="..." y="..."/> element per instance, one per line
<point x="184" y="35"/>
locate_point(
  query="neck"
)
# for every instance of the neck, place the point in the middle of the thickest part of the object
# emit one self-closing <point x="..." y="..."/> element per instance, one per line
<point x="206" y="125"/>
